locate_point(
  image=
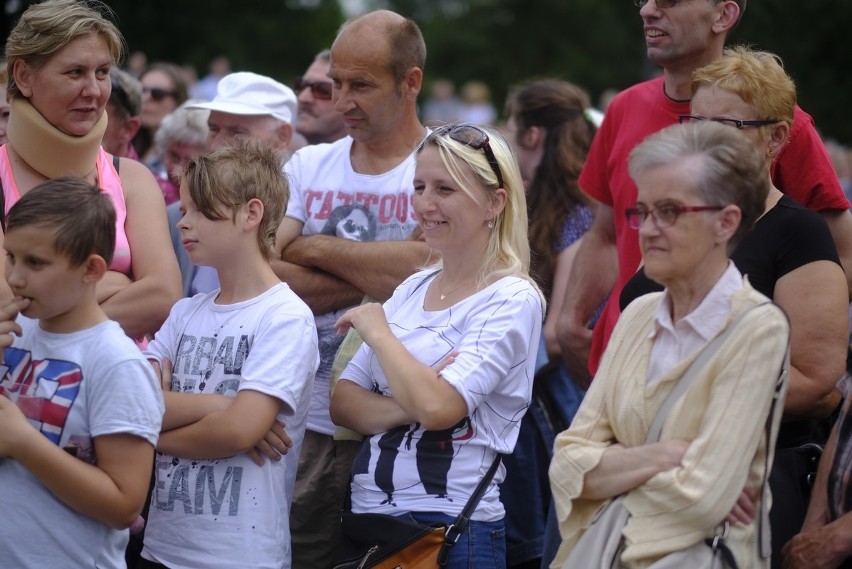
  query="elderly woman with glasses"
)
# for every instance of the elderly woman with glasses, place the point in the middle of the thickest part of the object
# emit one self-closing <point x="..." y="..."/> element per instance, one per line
<point x="446" y="372"/>
<point x="700" y="188"/>
<point x="791" y="258"/>
<point x="59" y="57"/>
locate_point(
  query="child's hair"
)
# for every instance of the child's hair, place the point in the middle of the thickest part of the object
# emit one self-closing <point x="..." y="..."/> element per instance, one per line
<point x="80" y="215"/>
<point x="220" y="182"/>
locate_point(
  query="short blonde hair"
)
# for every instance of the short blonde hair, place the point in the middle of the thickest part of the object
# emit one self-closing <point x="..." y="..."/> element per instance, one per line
<point x="47" y="27"/>
<point x="756" y="77"/>
<point x="221" y="181"/>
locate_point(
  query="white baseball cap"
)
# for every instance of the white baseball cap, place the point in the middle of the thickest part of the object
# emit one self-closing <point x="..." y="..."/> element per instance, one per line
<point x="246" y="93"/>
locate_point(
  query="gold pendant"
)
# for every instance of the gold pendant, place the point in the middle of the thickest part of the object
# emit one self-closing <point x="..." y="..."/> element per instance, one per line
<point x="443" y="296"/>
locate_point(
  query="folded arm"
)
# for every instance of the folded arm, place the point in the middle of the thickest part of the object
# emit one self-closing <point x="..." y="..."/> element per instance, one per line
<point x="233" y="430"/>
<point x="417" y="388"/>
<point x="374" y="267"/>
<point x="112" y="492"/>
<point x="822" y="543"/>
<point x="364" y="411"/>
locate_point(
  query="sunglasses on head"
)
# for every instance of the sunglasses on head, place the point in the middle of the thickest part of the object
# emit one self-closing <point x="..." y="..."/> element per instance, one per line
<point x="158" y="94"/>
<point x="477" y="139"/>
<point x="319" y="89"/>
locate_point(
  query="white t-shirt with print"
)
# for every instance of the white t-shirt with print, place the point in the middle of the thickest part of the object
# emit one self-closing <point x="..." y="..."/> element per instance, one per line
<point x="330" y="198"/>
<point x="496" y="334"/>
<point x="229" y="512"/>
<point x="72" y="387"/>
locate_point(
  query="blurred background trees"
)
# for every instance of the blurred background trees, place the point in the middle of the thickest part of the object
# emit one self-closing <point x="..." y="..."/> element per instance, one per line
<point x="594" y="43"/>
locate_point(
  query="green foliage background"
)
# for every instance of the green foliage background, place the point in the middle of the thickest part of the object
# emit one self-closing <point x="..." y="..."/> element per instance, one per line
<point x="594" y="43"/>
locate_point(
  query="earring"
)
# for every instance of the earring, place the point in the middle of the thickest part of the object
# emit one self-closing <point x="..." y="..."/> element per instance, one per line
<point x="490" y="223"/>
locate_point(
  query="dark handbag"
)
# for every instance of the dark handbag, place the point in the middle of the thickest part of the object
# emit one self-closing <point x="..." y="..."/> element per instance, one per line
<point x="382" y="541"/>
<point x="791" y="479"/>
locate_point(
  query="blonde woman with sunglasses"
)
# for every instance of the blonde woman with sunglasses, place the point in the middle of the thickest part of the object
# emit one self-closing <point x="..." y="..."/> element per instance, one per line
<point x="445" y="375"/>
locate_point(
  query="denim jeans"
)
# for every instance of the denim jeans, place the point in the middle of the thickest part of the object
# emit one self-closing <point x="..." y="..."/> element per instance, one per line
<point x="481" y="546"/>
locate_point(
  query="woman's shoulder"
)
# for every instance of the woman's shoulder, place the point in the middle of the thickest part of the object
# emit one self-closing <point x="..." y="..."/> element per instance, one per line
<point x="134" y="174"/>
<point x="762" y="309"/>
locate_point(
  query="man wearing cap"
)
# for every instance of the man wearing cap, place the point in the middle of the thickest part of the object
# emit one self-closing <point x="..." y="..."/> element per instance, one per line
<point x="123" y="109"/>
<point x="246" y="106"/>
<point x="250" y="106"/>
<point x="346" y="235"/>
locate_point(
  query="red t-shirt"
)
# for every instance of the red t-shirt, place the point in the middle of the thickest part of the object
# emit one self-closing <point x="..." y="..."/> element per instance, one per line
<point x="802" y="170"/>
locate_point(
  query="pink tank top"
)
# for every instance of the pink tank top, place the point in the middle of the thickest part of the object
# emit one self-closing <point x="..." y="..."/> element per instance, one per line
<point x="110" y="183"/>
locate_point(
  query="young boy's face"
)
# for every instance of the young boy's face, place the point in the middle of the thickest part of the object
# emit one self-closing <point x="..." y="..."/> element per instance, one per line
<point x="36" y="271"/>
<point x="205" y="240"/>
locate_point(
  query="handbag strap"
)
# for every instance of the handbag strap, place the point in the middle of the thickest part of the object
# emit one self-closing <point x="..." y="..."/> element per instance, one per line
<point x="700" y="361"/>
<point x="708" y="351"/>
<point x="458" y="527"/>
<point x="764" y="531"/>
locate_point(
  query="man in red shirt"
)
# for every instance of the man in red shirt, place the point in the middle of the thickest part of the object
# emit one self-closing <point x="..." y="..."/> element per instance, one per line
<point x="680" y="36"/>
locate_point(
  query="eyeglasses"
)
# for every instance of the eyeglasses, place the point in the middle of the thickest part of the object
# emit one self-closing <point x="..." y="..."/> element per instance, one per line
<point x="736" y="123"/>
<point x="477" y="139"/>
<point x="320" y="90"/>
<point x="158" y="94"/>
<point x="665" y="4"/>
<point x="664" y="214"/>
<point x="120" y="96"/>
<point x="662" y="4"/>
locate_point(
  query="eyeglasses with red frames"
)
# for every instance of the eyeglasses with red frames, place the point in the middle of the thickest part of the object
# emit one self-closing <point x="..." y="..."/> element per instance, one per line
<point x="158" y="94"/>
<point x="320" y="90"/>
<point x="664" y="214"/>
<point x="477" y="139"/>
<point x="736" y="123"/>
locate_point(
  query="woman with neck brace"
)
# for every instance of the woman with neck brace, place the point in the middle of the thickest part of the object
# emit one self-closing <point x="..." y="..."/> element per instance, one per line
<point x="59" y="57"/>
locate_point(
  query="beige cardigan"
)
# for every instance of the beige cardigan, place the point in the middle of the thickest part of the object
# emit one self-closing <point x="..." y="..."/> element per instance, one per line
<point x="723" y="414"/>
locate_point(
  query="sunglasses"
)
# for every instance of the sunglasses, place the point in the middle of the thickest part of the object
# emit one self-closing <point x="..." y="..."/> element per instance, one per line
<point x="158" y="94"/>
<point x="320" y="90"/>
<point x="476" y="138"/>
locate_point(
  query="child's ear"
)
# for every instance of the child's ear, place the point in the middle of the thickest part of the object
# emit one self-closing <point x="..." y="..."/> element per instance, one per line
<point x="95" y="268"/>
<point x="253" y="213"/>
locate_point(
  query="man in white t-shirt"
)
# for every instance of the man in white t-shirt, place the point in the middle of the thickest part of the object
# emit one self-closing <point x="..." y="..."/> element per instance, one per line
<point x="347" y="233"/>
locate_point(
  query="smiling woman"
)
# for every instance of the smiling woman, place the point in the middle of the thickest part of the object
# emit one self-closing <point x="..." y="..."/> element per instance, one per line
<point x="59" y="57"/>
<point x="448" y="361"/>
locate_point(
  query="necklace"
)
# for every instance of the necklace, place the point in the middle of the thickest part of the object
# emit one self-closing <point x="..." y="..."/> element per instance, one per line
<point x="448" y="293"/>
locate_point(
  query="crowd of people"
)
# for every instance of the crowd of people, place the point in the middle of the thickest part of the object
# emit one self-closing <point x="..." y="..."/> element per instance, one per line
<point x="374" y="305"/>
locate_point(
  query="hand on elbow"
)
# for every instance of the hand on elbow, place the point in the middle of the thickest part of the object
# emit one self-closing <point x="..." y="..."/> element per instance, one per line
<point x="668" y="454"/>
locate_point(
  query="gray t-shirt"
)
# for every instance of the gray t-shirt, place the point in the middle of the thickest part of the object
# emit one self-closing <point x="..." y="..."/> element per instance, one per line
<point x="72" y="387"/>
